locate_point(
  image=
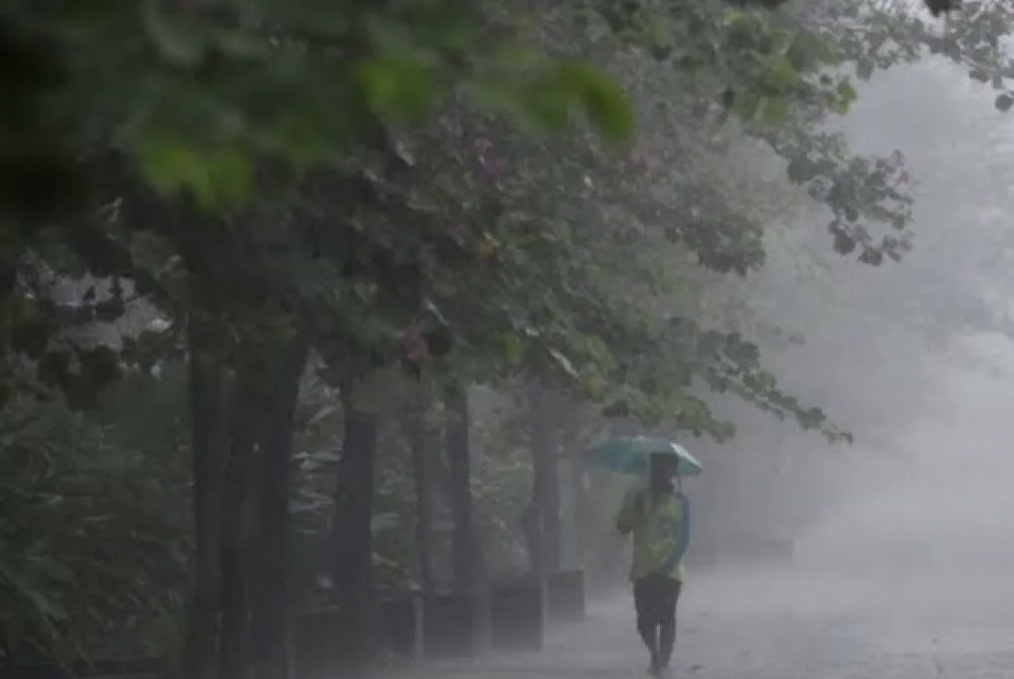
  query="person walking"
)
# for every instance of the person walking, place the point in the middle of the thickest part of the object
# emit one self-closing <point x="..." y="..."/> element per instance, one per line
<point x="658" y="517"/>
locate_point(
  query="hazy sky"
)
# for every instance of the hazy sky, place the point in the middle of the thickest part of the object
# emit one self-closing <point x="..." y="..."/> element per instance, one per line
<point x="934" y="414"/>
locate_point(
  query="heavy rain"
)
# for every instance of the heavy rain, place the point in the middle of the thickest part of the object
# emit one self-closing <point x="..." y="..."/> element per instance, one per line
<point x="506" y="340"/>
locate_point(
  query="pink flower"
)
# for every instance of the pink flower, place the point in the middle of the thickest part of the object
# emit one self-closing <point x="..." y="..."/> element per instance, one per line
<point x="413" y="344"/>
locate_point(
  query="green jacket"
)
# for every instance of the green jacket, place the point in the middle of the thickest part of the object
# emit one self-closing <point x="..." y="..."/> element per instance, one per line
<point x="661" y="529"/>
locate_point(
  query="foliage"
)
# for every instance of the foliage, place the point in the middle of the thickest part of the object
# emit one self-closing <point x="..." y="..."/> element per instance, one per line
<point x="182" y="38"/>
<point x="248" y="84"/>
<point x="203" y="87"/>
<point x="523" y="207"/>
<point x="92" y="535"/>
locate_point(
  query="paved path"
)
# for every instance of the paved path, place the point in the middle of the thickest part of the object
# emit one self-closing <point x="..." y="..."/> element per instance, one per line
<point x="788" y="626"/>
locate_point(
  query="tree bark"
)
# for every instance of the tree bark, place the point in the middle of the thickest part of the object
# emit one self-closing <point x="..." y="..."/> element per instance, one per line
<point x="545" y="444"/>
<point x="271" y="538"/>
<point x="209" y="436"/>
<point x="417" y="441"/>
<point x="246" y="417"/>
<point x="468" y="561"/>
<point x="352" y="538"/>
<point x="582" y="509"/>
<point x="459" y="471"/>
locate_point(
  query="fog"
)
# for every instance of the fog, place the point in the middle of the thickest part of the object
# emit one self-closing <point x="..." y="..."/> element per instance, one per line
<point x="912" y="357"/>
<point x="941" y="503"/>
<point x="894" y="554"/>
<point x="902" y="564"/>
<point x="932" y="488"/>
<point x="901" y="544"/>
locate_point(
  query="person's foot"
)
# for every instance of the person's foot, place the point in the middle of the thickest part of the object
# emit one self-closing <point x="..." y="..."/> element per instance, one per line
<point x="659" y="671"/>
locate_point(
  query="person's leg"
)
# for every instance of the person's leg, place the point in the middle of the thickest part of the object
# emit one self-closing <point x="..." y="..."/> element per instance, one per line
<point x="668" y="597"/>
<point x="647" y="625"/>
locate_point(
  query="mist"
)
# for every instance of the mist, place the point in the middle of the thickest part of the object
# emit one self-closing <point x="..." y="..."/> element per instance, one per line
<point x="903" y="541"/>
<point x="927" y="483"/>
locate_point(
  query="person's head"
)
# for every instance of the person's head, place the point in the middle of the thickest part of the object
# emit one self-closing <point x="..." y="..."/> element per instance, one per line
<point x="662" y="468"/>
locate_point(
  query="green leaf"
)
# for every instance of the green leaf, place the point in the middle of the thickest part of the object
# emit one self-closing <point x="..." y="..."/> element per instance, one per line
<point x="167" y="164"/>
<point x="513" y="348"/>
<point x="747" y="105"/>
<point x="398" y="86"/>
<point x="596" y="386"/>
<point x="772" y="110"/>
<point x="219" y="178"/>
<point x="844" y="95"/>
<point x="227" y="180"/>
<point x="599" y="351"/>
<point x="543" y="106"/>
<point x="780" y="75"/>
<point x="660" y="42"/>
<point x="603" y="101"/>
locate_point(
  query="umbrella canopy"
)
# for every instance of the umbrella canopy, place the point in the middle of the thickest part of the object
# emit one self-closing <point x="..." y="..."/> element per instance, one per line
<point x="629" y="455"/>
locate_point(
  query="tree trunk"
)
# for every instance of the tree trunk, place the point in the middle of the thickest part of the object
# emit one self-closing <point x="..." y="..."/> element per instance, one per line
<point x="246" y="416"/>
<point x="417" y="441"/>
<point x="459" y="471"/>
<point x="468" y="560"/>
<point x="574" y="508"/>
<point x="271" y="543"/>
<point x="209" y="437"/>
<point x="352" y="537"/>
<point x="544" y="443"/>
<point x="582" y="509"/>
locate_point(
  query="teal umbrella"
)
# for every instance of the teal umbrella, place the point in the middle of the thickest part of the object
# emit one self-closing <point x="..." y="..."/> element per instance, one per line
<point x="629" y="455"/>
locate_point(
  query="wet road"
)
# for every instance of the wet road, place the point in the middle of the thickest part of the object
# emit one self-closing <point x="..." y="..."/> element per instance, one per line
<point x="793" y="626"/>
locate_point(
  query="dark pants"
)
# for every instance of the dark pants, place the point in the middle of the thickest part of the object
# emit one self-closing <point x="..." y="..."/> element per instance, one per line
<point x="655" y="598"/>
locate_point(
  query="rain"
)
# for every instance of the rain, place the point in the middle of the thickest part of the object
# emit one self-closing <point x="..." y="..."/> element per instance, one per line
<point x="353" y="342"/>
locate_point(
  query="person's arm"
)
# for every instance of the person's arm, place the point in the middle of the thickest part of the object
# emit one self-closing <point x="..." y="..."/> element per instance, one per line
<point x="627" y="515"/>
